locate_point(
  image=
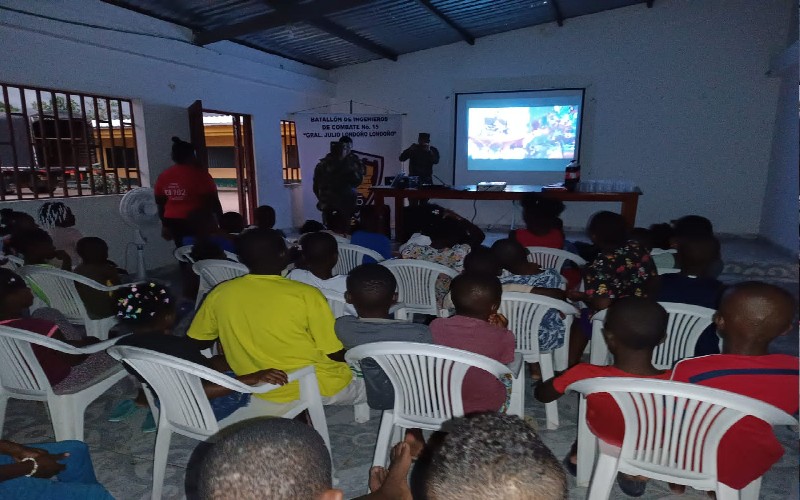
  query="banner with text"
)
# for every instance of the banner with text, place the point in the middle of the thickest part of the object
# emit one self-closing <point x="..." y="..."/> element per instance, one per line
<point x="376" y="139"/>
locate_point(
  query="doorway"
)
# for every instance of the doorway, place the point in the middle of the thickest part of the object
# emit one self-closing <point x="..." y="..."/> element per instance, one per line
<point x="224" y="143"/>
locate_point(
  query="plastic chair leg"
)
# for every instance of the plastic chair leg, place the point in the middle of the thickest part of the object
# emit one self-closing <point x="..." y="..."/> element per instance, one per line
<point x="3" y="405"/>
<point x="67" y="418"/>
<point x="160" y="456"/>
<point x="603" y="480"/>
<point x="361" y="411"/>
<point x="587" y="447"/>
<point x="550" y="409"/>
<point x="384" y="437"/>
<point x="517" y="404"/>
<point x="751" y="491"/>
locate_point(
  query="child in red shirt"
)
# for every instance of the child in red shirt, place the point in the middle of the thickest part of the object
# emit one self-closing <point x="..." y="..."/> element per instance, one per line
<point x="634" y="327"/>
<point x="477" y="327"/>
<point x="750" y="316"/>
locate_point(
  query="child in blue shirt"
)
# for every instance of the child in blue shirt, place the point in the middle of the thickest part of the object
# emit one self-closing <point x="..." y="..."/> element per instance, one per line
<point x="370" y="234"/>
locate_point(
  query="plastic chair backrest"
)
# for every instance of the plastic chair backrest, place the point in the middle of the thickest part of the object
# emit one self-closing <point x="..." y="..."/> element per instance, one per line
<point x="20" y="371"/>
<point x="183" y="254"/>
<point x="214" y="272"/>
<point x="416" y="283"/>
<point x="686" y="323"/>
<point x="668" y="270"/>
<point x="675" y="426"/>
<point x="553" y="258"/>
<point x="337" y="303"/>
<point x="59" y="287"/>
<point x="179" y="387"/>
<point x="524" y="312"/>
<point x="427" y="379"/>
<point x="13" y="262"/>
<point x="351" y="256"/>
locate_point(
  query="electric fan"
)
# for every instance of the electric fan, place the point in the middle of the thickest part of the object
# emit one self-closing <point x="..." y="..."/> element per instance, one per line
<point x="139" y="210"/>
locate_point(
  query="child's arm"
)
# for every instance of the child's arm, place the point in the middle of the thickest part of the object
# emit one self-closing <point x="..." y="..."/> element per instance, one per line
<point x="546" y="392"/>
<point x="268" y="376"/>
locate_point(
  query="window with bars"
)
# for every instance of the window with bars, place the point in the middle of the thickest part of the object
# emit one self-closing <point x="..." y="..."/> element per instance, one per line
<point x="291" y="159"/>
<point x="60" y="144"/>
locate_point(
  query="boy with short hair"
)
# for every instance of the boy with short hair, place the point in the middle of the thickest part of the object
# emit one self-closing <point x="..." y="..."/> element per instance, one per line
<point x="96" y="266"/>
<point x="371" y="290"/>
<point x="320" y="253"/>
<point x="634" y="327"/>
<point x="370" y="233"/>
<point x="750" y="316"/>
<point x="477" y="327"/>
<point x="695" y="285"/>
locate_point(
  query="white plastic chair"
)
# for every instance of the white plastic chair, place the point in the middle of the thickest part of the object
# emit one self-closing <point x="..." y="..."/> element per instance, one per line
<point x="686" y="323"/>
<point x="183" y="254"/>
<point x="427" y="381"/>
<point x="553" y="258"/>
<point x="672" y="433"/>
<point x="339" y="306"/>
<point x="213" y="272"/>
<point x="416" y="283"/>
<point x="22" y="377"/>
<point x="185" y="409"/>
<point x="525" y="312"/>
<point x="59" y="288"/>
<point x="13" y="262"/>
<point x="351" y="256"/>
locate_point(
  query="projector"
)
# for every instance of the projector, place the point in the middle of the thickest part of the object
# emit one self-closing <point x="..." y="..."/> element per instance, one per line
<point x="491" y="186"/>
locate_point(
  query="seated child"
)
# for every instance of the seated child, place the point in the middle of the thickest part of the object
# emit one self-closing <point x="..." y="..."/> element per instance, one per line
<point x="204" y="226"/>
<point x="370" y="233"/>
<point x="38" y="250"/>
<point x="320" y="253"/>
<point x="694" y="285"/>
<point x="690" y="226"/>
<point x="338" y="224"/>
<point x="622" y="268"/>
<point x="477" y="327"/>
<point x="59" y="221"/>
<point x="634" y="327"/>
<point x="492" y="456"/>
<point x="661" y="240"/>
<point x="14" y="225"/>
<point x="311" y="226"/>
<point x="371" y="290"/>
<point x="265" y="219"/>
<point x="543" y="227"/>
<point x="445" y="249"/>
<point x="232" y="222"/>
<point x="750" y="316"/>
<point x="96" y="266"/>
<point x="513" y="259"/>
<point x="207" y="250"/>
<point x="149" y="312"/>
<point x="15" y="299"/>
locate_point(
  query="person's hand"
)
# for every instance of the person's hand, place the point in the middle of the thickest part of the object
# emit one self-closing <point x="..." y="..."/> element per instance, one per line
<point x="49" y="465"/>
<point x="268" y="376"/>
<point x="166" y="233"/>
<point x="18" y="451"/>
<point x="498" y="319"/>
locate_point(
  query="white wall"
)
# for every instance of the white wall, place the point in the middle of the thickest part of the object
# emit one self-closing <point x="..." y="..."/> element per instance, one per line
<point x="779" y="216"/>
<point x="165" y="76"/>
<point x="677" y="99"/>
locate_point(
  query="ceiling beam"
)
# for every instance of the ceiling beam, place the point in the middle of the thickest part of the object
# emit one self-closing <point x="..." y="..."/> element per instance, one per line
<point x="557" y="12"/>
<point x="334" y="29"/>
<point x="285" y="15"/>
<point x="466" y="35"/>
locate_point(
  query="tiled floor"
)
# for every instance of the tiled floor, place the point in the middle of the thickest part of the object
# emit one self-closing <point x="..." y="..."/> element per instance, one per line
<point x="123" y="455"/>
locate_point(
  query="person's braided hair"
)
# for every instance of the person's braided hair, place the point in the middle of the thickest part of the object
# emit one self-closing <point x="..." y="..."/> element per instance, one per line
<point x="142" y="303"/>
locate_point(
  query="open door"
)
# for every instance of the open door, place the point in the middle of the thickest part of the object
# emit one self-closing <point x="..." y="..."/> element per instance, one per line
<point x="245" y="171"/>
<point x="197" y="134"/>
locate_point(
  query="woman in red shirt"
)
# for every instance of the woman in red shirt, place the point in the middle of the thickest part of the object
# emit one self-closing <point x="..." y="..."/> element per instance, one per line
<point x="182" y="189"/>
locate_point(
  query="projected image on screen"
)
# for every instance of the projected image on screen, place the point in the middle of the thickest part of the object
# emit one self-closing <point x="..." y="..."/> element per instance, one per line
<point x="520" y="137"/>
<point x="519" y="133"/>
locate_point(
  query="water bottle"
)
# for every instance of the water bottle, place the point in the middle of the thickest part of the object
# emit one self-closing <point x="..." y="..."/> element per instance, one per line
<point x="572" y="175"/>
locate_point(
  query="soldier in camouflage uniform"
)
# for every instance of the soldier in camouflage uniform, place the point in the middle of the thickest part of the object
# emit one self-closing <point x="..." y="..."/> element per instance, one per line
<point x="335" y="180"/>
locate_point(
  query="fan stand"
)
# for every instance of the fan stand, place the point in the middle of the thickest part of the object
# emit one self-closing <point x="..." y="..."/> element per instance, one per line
<point x="139" y="240"/>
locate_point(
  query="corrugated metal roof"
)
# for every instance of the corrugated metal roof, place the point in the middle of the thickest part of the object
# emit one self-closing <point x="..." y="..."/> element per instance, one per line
<point x="357" y="33"/>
